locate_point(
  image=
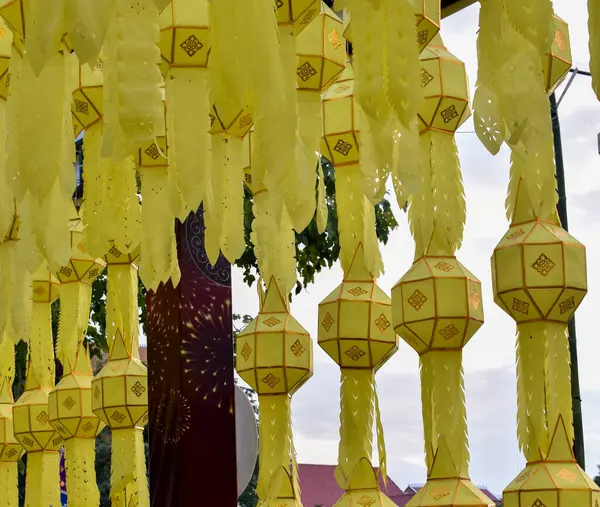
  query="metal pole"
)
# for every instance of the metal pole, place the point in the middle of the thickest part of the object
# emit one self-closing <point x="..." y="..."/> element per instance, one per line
<point x="578" y="445"/>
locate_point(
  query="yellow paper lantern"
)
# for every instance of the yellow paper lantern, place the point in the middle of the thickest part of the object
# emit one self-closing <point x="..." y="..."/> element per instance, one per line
<point x="347" y="26"/>
<point x="11" y="449"/>
<point x="298" y="13"/>
<point x="424" y="314"/>
<point x="355" y="320"/>
<point x="445" y="104"/>
<point x="557" y="63"/>
<point x="274" y="352"/>
<point x="428" y="19"/>
<point x="87" y="104"/>
<point x="12" y="13"/>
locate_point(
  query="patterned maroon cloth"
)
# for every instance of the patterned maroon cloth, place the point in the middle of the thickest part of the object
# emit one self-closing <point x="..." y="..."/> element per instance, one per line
<point x="190" y="359"/>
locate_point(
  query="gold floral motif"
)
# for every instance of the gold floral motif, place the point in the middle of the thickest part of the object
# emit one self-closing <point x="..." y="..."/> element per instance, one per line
<point x="422" y="37"/>
<point x="138" y="389"/>
<point x="82" y="107"/>
<point x="246" y="351"/>
<point x="354" y="353"/>
<point x="449" y="114"/>
<point x="57" y="441"/>
<point x="426" y="78"/>
<point x="475" y="299"/>
<point x="93" y="273"/>
<point x="439" y="493"/>
<point x="382" y="323"/>
<point x="152" y="151"/>
<point x="517" y="234"/>
<point x="245" y="121"/>
<point x="342" y="147"/>
<point x="449" y="332"/>
<point x="66" y="271"/>
<point x="271" y="380"/>
<point x="43" y="418"/>
<point x="327" y="321"/>
<point x="334" y="39"/>
<point x="279" y="4"/>
<point x="248" y="178"/>
<point x="28" y="442"/>
<point x="357" y="292"/>
<point x="444" y="266"/>
<point x="538" y="503"/>
<point x="520" y="306"/>
<point x="560" y="39"/>
<point x="115" y="252"/>
<point x="417" y="300"/>
<point x="297" y="348"/>
<point x="271" y="321"/>
<point x="117" y="416"/>
<point x="566" y="305"/>
<point x="39" y="290"/>
<point x="543" y="265"/>
<point x="366" y="501"/>
<point x="96" y="392"/>
<point x="10" y="454"/>
<point x="191" y="45"/>
<point x="567" y="475"/>
<point x="87" y="427"/>
<point x="306" y="71"/>
<point x="69" y="403"/>
<point x="308" y="16"/>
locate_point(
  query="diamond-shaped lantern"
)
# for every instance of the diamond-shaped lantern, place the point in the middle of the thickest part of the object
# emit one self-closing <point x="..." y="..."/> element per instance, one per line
<point x="445" y="105"/>
<point x="321" y="50"/>
<point x="437" y="305"/>
<point x="184" y="31"/>
<point x="298" y="13"/>
<point x="45" y="287"/>
<point x="274" y="352"/>
<point x="86" y="105"/>
<point x="341" y="123"/>
<point x="10" y="448"/>
<point x="428" y="17"/>
<point x="81" y="267"/>
<point x="120" y="390"/>
<point x="539" y="272"/>
<point x="355" y="320"/>
<point x="558" y="61"/>
<point x="70" y="403"/>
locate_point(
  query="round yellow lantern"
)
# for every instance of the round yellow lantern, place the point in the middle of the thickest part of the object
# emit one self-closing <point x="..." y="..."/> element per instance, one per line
<point x="557" y="63"/>
<point x="355" y="320"/>
<point x="445" y="87"/>
<point x="425" y="317"/>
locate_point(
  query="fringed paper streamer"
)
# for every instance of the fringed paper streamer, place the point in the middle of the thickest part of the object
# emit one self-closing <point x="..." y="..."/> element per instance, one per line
<point x="406" y="171"/>
<point x="377" y="154"/>
<point x="75" y="301"/>
<point x="403" y="66"/>
<point x="558" y="376"/>
<point x="355" y="220"/>
<point x="9" y="484"/>
<point x="533" y="19"/>
<point x="215" y="192"/>
<point x="7" y="367"/>
<point x="41" y="347"/>
<point x="87" y="24"/>
<point x="128" y="482"/>
<point x="381" y="452"/>
<point x="232" y="241"/>
<point x="429" y="428"/>
<point x="15" y="296"/>
<point x="44" y="28"/>
<point x="421" y="205"/>
<point x="594" y="30"/>
<point x="158" y="228"/>
<point x="532" y="427"/>
<point x="81" y="472"/>
<point x="357" y="415"/>
<point x="12" y="139"/>
<point x="322" y="210"/>
<point x="41" y="486"/>
<point x="275" y="444"/>
<point x="7" y="200"/>
<point x="133" y="105"/>
<point x="188" y="126"/>
<point x="122" y="309"/>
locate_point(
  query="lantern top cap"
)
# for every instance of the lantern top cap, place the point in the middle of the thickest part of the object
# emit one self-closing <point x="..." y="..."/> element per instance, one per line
<point x="273" y="301"/>
<point x="357" y="271"/>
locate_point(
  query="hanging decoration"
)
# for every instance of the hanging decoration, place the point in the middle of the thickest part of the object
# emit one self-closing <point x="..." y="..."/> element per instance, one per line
<point x="558" y="61"/>
<point x="594" y="29"/>
<point x="69" y="403"/>
<point x="120" y="390"/>
<point x="355" y="330"/>
<point x="30" y="412"/>
<point x="274" y="356"/>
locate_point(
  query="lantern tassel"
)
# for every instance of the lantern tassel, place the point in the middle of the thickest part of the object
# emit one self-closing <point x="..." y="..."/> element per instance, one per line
<point x="421" y="204"/>
<point x="188" y="126"/>
<point x="594" y="29"/>
<point x="232" y="238"/>
<point x="128" y="482"/>
<point x="122" y="300"/>
<point x="9" y="479"/>
<point x="213" y="212"/>
<point x="87" y="24"/>
<point x="429" y="429"/>
<point x="75" y="301"/>
<point x="41" y="487"/>
<point x="81" y="472"/>
<point x="41" y="347"/>
<point x="406" y="172"/>
<point x="531" y="386"/>
<point x="7" y="201"/>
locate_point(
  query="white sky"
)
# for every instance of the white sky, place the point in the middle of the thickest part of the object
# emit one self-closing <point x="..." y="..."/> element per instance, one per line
<point x="489" y="357"/>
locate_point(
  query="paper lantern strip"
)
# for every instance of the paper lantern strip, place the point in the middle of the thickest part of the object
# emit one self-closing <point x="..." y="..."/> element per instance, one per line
<point x="10" y="448"/>
<point x="557" y="63"/>
<point x="539" y="272"/>
<point x="437" y="305"/>
<point x="321" y="50"/>
<point x="86" y="105"/>
<point x="45" y="290"/>
<point x="70" y="407"/>
<point x="355" y="321"/>
<point x="341" y="124"/>
<point x="274" y="352"/>
<point x="32" y="422"/>
<point x="445" y="87"/>
<point x="554" y="482"/>
<point x="298" y="13"/>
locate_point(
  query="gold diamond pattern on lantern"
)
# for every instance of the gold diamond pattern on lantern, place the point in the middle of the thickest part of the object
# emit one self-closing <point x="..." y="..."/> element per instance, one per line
<point x="120" y="391"/>
<point x="340" y="121"/>
<point x="558" y="61"/>
<point x="184" y="30"/>
<point x="296" y="12"/>
<point x="86" y="105"/>
<point x="428" y="17"/>
<point x="226" y="118"/>
<point x="45" y="290"/>
<point x="554" y="482"/>
<point x="274" y="353"/>
<point x="321" y="50"/>
<point x="355" y="320"/>
<point x="115" y="256"/>
<point x="70" y="403"/>
<point x="445" y="105"/>
<point x="539" y="272"/>
<point x="425" y="317"/>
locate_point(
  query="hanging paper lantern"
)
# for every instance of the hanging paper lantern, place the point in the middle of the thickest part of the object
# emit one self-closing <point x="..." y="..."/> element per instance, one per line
<point x="425" y="316"/>
<point x="445" y="104"/>
<point x="298" y="13"/>
<point x="428" y="19"/>
<point x="87" y="101"/>
<point x="558" y="61"/>
<point x="347" y="26"/>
